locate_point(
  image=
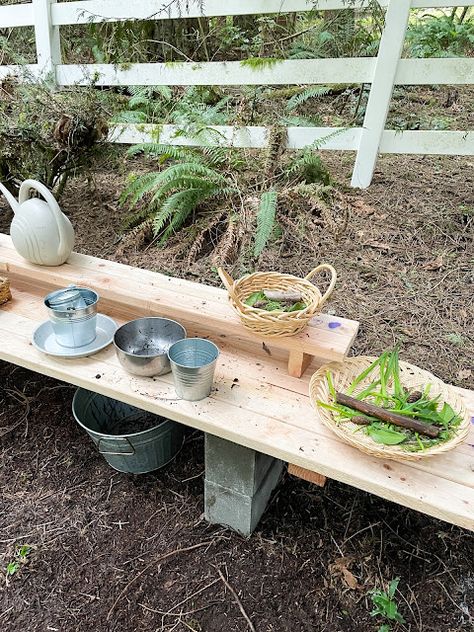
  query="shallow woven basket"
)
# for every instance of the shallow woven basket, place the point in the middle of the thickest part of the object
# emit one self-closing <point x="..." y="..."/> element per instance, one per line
<point x="277" y="323"/>
<point x="5" y="294"/>
<point x="411" y="378"/>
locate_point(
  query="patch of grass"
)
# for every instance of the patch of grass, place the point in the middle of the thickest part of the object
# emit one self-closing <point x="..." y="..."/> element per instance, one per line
<point x="385" y="605"/>
<point x="21" y="557"/>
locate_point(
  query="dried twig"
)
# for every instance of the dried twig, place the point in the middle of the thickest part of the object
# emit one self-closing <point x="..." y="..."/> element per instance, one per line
<point x="237" y="601"/>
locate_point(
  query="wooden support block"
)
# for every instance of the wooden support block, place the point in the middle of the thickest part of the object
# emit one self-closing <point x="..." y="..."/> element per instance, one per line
<point x="307" y="475"/>
<point x="298" y="362"/>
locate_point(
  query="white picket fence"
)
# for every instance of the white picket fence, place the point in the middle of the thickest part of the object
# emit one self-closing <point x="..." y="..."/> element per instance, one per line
<point x="382" y="72"/>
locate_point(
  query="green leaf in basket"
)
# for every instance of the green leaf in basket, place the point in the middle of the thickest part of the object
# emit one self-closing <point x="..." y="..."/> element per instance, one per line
<point x="385" y="435"/>
<point x="254" y="298"/>
<point x="296" y="307"/>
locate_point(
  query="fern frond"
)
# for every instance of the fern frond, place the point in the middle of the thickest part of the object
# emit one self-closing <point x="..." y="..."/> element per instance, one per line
<point x="138" y="100"/>
<point x="180" y="184"/>
<point x="138" y="187"/>
<point x="265" y="220"/>
<point x="215" y="156"/>
<point x="178" y="202"/>
<point x="302" y="97"/>
<point x="186" y="169"/>
<point x="310" y="168"/>
<point x="158" y="150"/>
<point x="178" y="220"/>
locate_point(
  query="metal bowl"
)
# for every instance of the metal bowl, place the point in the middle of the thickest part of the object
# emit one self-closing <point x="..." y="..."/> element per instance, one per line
<point x="142" y="345"/>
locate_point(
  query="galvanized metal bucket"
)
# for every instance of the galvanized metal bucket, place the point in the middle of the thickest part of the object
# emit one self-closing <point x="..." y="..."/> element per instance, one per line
<point x="193" y="362"/>
<point x="73" y="315"/>
<point x="136" y="452"/>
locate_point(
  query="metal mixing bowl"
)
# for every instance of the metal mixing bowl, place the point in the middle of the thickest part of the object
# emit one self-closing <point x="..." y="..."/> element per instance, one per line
<point x="142" y="345"/>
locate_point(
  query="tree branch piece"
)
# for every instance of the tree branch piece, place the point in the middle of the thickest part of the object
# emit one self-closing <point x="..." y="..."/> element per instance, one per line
<point x="386" y="415"/>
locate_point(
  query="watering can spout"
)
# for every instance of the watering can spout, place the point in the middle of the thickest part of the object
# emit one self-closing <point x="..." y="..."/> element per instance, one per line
<point x="11" y="200"/>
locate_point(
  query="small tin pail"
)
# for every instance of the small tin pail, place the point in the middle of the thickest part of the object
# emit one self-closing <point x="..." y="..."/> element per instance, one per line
<point x="193" y="362"/>
<point x="73" y="315"/>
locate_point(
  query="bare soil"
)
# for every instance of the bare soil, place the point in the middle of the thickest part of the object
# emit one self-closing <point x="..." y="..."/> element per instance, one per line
<point x="108" y="550"/>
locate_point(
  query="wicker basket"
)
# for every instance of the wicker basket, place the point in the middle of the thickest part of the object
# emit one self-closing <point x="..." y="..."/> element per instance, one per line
<point x="5" y="294"/>
<point x="411" y="378"/>
<point x="276" y="323"/>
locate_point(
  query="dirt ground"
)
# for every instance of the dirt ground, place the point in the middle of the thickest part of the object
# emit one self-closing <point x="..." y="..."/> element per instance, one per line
<point x="108" y="550"/>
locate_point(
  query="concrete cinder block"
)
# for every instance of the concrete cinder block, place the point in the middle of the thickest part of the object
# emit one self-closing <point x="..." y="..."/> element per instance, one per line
<point x="238" y="484"/>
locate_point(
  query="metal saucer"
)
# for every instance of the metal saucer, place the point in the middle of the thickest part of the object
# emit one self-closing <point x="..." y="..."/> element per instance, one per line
<point x="45" y="341"/>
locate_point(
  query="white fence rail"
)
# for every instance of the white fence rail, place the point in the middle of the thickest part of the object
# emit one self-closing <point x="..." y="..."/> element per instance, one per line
<point x="381" y="72"/>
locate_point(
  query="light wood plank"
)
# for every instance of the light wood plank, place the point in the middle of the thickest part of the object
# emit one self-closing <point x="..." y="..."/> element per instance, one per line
<point x="398" y="482"/>
<point x="262" y="389"/>
<point x="298" y="362"/>
<point x="157" y="294"/>
<point x="116" y="10"/>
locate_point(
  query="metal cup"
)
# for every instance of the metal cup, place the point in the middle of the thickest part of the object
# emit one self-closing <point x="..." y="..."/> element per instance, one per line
<point x="69" y="298"/>
<point x="73" y="325"/>
<point x="193" y="362"/>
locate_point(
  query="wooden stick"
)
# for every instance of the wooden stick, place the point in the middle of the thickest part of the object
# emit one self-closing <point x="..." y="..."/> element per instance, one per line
<point x="386" y="415"/>
<point x="237" y="601"/>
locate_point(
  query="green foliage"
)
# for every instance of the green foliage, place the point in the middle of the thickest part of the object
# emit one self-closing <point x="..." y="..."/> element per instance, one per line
<point x="308" y="167"/>
<point x="147" y="104"/>
<point x="259" y="63"/>
<point x="385" y="605"/>
<point x="21" y="557"/>
<point x="308" y="93"/>
<point x="47" y="134"/>
<point x="172" y="195"/>
<point x="387" y="390"/>
<point x="260" y="301"/>
<point x="265" y="220"/>
<point x="193" y="112"/>
<point x="441" y="36"/>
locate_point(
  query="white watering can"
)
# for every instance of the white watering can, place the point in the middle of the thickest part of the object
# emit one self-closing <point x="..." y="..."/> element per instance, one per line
<point x="40" y="232"/>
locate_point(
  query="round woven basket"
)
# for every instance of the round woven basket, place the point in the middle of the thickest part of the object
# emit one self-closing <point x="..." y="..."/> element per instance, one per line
<point x="277" y="323"/>
<point x="411" y="377"/>
<point x="5" y="293"/>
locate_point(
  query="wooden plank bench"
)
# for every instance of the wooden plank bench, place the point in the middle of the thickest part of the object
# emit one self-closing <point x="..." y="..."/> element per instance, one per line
<point x="258" y="417"/>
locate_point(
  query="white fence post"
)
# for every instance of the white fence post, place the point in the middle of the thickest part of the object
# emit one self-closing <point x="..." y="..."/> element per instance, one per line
<point x="390" y="50"/>
<point x="48" y="47"/>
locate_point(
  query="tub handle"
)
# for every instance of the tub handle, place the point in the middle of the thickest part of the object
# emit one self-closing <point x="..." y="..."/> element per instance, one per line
<point x="116" y="453"/>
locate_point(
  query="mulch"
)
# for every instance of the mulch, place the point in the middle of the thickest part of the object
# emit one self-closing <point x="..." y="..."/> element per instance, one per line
<point x="116" y="552"/>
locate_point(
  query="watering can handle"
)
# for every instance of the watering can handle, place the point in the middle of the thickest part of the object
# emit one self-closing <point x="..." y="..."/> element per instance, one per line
<point x="24" y="195"/>
<point x="116" y="453"/>
<point x="324" y="266"/>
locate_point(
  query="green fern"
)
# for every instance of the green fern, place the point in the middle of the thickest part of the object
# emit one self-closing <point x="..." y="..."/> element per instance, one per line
<point x="309" y="167"/>
<point x="170" y="196"/>
<point x="163" y="152"/>
<point x="306" y="95"/>
<point x="265" y="220"/>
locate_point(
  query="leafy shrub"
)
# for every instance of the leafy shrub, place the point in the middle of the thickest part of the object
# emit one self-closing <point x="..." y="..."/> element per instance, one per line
<point x="49" y="134"/>
<point x="442" y="36"/>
